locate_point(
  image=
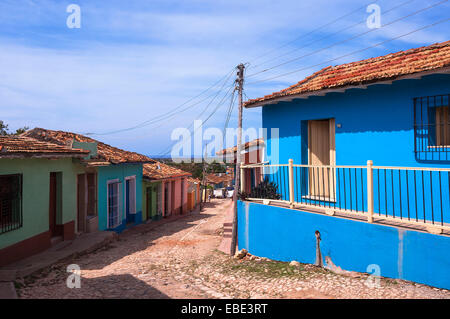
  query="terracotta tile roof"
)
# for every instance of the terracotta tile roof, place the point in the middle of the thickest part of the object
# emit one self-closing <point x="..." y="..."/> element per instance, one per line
<point x="256" y="142"/>
<point x="387" y="67"/>
<point x="160" y="171"/>
<point x="13" y="146"/>
<point x="216" y="179"/>
<point x="194" y="180"/>
<point x="105" y="152"/>
<point x="152" y="169"/>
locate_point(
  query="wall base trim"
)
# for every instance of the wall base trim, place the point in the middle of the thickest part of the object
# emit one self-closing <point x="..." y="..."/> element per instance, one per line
<point x="25" y="248"/>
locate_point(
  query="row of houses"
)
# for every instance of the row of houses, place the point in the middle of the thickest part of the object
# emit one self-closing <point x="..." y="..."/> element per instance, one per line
<point x="55" y="185"/>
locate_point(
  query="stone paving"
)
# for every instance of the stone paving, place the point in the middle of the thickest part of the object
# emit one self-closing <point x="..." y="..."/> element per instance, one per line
<point x="180" y="259"/>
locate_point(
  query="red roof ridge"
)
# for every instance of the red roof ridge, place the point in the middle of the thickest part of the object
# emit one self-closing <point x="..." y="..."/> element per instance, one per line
<point x="370" y="70"/>
<point x="109" y="153"/>
<point x="161" y="171"/>
<point x="23" y="145"/>
<point x="256" y="142"/>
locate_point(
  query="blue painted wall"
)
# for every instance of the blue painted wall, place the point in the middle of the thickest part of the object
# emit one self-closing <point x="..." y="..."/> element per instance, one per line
<point x="120" y="172"/>
<point x="376" y="124"/>
<point x="284" y="234"/>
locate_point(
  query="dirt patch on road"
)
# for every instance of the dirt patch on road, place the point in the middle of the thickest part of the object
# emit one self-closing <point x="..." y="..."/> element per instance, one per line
<point x="173" y="243"/>
<point x="306" y="294"/>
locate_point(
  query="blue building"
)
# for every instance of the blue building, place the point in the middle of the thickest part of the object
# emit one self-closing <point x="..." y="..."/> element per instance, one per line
<point x="367" y="141"/>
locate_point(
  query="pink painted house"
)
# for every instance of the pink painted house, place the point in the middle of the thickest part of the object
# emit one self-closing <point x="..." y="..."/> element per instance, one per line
<point x="165" y="189"/>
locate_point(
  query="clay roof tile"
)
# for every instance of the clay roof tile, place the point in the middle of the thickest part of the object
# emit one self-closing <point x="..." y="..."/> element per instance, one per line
<point x="387" y="67"/>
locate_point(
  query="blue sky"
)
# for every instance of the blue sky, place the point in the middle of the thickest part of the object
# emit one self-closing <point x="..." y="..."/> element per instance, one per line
<point x="132" y="61"/>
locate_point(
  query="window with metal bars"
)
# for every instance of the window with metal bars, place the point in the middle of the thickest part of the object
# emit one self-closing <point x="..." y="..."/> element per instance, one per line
<point x="432" y="128"/>
<point x="10" y="202"/>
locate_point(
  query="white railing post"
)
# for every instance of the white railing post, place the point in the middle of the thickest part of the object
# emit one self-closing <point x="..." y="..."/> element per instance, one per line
<point x="370" y="191"/>
<point x="291" y="183"/>
<point x="242" y="181"/>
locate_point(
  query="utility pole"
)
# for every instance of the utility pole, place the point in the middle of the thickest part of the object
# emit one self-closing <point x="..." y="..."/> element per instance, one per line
<point x="203" y="191"/>
<point x="237" y="186"/>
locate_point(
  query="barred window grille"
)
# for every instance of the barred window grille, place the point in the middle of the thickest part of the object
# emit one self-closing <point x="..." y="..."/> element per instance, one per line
<point x="432" y="128"/>
<point x="10" y="202"/>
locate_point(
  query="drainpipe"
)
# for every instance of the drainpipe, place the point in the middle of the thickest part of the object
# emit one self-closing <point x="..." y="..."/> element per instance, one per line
<point x="319" y="261"/>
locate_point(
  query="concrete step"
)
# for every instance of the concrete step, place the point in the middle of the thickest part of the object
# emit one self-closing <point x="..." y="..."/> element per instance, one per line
<point x="56" y="240"/>
<point x="7" y="290"/>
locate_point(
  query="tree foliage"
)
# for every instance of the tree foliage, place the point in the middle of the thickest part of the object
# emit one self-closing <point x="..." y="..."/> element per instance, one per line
<point x="266" y="190"/>
<point x="4" y="129"/>
<point x="196" y="169"/>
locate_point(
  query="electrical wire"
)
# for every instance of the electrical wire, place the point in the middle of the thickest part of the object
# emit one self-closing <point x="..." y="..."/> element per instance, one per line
<point x="230" y="111"/>
<point x="168" y="150"/>
<point x="203" y="111"/>
<point x="174" y="111"/>
<point x="311" y="32"/>
<point x="351" y="53"/>
<point x="348" y="39"/>
<point x="330" y="35"/>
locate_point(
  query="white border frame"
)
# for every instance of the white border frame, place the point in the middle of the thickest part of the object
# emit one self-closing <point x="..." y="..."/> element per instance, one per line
<point x="119" y="203"/>
<point x="128" y="178"/>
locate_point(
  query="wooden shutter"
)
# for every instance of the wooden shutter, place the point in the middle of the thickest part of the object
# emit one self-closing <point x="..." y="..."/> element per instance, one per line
<point x="442" y="126"/>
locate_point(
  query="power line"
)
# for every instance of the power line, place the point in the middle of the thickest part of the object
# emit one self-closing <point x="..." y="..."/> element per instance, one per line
<point x="246" y="96"/>
<point x="230" y="111"/>
<point x="168" y="150"/>
<point x="328" y="36"/>
<point x="174" y="111"/>
<point x="311" y="32"/>
<point x="227" y="121"/>
<point x="204" y="110"/>
<point x="348" y="39"/>
<point x="351" y="53"/>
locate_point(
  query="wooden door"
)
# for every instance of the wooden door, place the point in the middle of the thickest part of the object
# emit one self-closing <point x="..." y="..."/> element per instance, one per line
<point x="442" y="126"/>
<point x="321" y="153"/>
<point x="91" y="194"/>
<point x="172" y="200"/>
<point x="166" y="199"/>
<point x="52" y="205"/>
<point x="149" y="191"/>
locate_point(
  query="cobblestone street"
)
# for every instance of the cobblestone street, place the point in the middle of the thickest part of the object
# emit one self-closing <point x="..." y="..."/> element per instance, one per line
<point x="180" y="260"/>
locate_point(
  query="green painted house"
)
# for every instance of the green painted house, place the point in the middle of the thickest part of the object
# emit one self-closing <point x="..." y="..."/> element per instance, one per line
<point x="37" y="195"/>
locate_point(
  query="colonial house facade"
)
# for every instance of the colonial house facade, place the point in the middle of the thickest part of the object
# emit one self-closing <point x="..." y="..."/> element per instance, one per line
<point x="37" y="195"/>
<point x="166" y="190"/>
